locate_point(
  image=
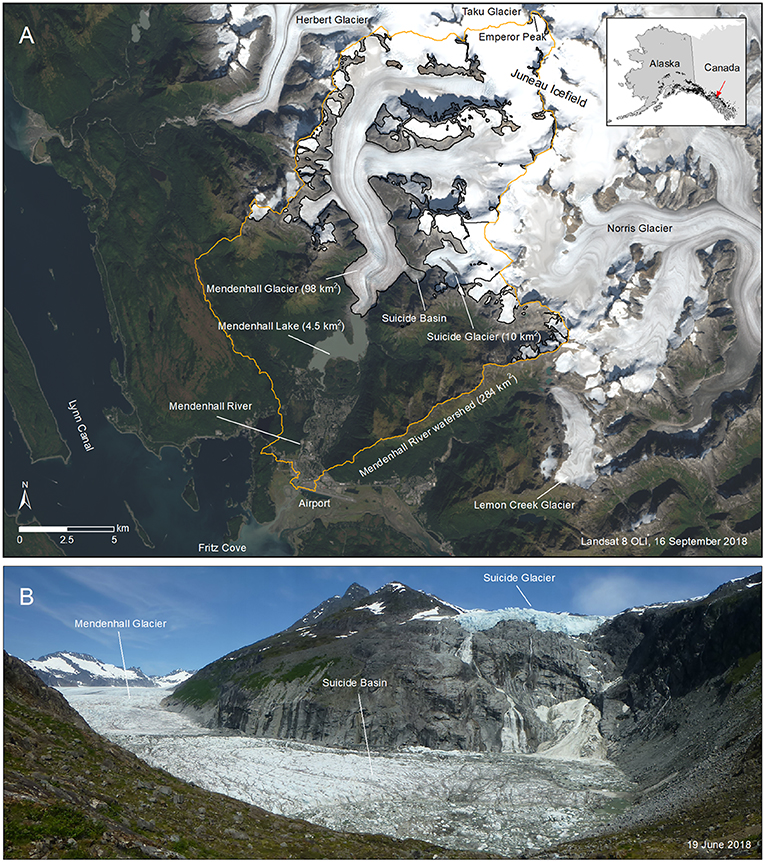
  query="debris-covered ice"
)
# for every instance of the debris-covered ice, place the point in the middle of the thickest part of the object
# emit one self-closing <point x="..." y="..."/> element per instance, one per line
<point x="498" y="803"/>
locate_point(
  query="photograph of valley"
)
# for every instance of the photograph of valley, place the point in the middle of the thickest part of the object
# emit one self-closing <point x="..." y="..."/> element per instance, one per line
<point x="380" y="712"/>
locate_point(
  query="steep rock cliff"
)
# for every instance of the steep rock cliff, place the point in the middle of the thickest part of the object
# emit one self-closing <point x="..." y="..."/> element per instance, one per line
<point x="427" y="673"/>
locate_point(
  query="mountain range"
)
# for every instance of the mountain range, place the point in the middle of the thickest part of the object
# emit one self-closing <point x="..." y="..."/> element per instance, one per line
<point x="670" y="693"/>
<point x="75" y="669"/>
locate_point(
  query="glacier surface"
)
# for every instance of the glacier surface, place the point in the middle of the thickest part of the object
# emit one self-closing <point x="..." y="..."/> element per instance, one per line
<point x="496" y="803"/>
<point x="570" y="624"/>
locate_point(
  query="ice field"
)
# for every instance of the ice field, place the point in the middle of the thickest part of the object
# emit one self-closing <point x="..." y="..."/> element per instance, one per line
<point x="502" y="803"/>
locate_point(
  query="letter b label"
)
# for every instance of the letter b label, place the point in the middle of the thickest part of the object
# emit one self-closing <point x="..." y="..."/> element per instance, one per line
<point x="26" y="597"/>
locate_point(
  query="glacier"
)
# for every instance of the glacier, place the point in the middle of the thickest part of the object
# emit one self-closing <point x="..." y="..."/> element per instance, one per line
<point x="570" y="624"/>
<point x="504" y="803"/>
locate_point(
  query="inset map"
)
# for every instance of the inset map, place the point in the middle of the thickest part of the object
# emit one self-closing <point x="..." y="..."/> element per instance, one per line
<point x="676" y="71"/>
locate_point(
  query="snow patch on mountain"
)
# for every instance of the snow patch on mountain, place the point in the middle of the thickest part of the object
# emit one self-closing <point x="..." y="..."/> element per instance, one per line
<point x="375" y="608"/>
<point x="353" y="594"/>
<point x="71" y="668"/>
<point x="174" y="678"/>
<point x="570" y="624"/>
<point x="755" y="582"/>
<point x="513" y="734"/>
<point x="444" y="604"/>
<point x="432" y="614"/>
<point x="465" y="652"/>
<point x="398" y="587"/>
<point x="643" y="608"/>
<point x="79" y="669"/>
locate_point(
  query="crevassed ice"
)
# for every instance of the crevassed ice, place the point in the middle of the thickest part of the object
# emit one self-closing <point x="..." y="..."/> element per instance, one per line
<point x="570" y="624"/>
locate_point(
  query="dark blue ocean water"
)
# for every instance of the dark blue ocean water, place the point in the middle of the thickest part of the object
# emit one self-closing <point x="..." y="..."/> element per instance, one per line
<point x="50" y="274"/>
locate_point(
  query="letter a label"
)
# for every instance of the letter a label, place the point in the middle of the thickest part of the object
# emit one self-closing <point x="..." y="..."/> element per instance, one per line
<point x="26" y="596"/>
<point x="27" y="34"/>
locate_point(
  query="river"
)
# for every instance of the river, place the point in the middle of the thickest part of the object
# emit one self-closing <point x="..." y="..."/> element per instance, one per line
<point x="53" y="292"/>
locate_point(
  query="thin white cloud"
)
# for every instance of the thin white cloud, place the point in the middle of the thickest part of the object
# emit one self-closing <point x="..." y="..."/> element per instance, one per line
<point x="609" y="594"/>
<point x="178" y="595"/>
<point x="613" y="589"/>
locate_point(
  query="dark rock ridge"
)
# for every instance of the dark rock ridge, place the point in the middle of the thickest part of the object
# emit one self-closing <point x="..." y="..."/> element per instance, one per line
<point x="352" y="596"/>
<point x="727" y="407"/>
<point x="438" y="684"/>
<point x="657" y="690"/>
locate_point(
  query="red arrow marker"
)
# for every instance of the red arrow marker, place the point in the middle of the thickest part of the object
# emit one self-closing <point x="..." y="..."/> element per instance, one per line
<point x="720" y="90"/>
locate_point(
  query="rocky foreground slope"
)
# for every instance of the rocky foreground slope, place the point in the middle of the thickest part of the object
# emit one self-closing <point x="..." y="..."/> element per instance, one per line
<point x="670" y="693"/>
<point x="70" y="793"/>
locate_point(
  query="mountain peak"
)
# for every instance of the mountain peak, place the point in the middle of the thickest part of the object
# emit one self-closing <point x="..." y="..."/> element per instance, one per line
<point x="395" y="599"/>
<point x="355" y="593"/>
<point x="51" y="747"/>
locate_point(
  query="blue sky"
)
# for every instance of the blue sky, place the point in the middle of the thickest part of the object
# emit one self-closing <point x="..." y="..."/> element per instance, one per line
<point x="213" y="610"/>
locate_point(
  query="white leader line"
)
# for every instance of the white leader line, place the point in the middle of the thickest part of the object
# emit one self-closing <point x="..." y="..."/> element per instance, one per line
<point x="550" y="489"/>
<point x="259" y="430"/>
<point x="364" y="725"/>
<point x="119" y="636"/>
<point x="308" y="344"/>
<point x="523" y="594"/>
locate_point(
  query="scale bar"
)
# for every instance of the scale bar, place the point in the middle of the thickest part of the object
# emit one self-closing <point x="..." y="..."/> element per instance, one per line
<point x="37" y="529"/>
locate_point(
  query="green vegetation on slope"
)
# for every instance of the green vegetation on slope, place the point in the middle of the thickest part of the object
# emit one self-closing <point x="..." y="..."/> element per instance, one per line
<point x="70" y="793"/>
<point x="190" y="496"/>
<point x="22" y="389"/>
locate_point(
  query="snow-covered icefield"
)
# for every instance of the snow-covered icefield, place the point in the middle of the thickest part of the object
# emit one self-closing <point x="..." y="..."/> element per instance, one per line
<point x="502" y="803"/>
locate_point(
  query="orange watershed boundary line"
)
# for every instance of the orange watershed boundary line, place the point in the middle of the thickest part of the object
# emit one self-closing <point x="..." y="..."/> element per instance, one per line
<point x="254" y="203"/>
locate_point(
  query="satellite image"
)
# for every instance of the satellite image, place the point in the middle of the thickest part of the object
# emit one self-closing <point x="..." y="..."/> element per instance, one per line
<point x="382" y="280"/>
